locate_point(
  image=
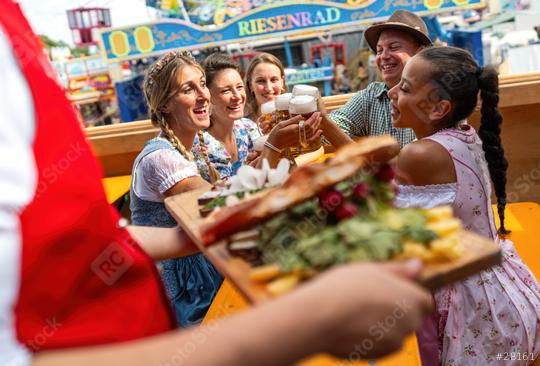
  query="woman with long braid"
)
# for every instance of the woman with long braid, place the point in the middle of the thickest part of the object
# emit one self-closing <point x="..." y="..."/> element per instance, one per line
<point x="497" y="310"/>
<point x="178" y="101"/>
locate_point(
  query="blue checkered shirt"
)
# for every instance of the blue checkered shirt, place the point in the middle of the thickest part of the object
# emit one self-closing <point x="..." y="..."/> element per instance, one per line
<point x="367" y="113"/>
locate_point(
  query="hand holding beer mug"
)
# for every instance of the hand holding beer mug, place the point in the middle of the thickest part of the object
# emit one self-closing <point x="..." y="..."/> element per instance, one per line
<point x="286" y="134"/>
<point x="305" y="106"/>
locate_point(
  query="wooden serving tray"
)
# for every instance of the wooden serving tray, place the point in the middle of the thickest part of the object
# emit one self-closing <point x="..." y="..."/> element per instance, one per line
<point x="480" y="253"/>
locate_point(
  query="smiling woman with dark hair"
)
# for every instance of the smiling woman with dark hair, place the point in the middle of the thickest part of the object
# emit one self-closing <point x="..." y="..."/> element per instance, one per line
<point x="229" y="138"/>
<point x="450" y="164"/>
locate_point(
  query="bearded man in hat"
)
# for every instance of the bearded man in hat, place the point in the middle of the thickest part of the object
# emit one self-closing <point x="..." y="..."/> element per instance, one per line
<point x="368" y="112"/>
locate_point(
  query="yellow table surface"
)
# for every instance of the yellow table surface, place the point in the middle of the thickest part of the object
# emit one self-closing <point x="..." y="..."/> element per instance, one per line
<point x="116" y="187"/>
<point x="522" y="218"/>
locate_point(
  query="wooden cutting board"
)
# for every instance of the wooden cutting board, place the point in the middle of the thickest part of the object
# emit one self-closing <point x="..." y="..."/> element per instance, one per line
<point x="480" y="253"/>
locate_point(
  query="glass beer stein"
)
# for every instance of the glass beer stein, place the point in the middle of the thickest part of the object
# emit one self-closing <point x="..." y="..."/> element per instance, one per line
<point x="267" y="110"/>
<point x="302" y="89"/>
<point x="304" y="105"/>
<point x="282" y="107"/>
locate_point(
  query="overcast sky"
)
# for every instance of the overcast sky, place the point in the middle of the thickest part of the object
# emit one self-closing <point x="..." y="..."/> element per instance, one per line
<point x="49" y="16"/>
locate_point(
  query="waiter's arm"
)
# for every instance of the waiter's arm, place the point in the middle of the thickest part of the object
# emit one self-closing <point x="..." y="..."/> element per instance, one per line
<point x="350" y="302"/>
<point x="163" y="243"/>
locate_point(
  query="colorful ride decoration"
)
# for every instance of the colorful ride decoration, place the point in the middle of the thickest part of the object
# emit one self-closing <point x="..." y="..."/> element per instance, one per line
<point x="84" y="23"/>
<point x="277" y="19"/>
<point x="88" y="74"/>
<point x="90" y="89"/>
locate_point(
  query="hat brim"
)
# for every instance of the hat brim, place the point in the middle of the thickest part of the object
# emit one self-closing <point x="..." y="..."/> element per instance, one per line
<point x="373" y="33"/>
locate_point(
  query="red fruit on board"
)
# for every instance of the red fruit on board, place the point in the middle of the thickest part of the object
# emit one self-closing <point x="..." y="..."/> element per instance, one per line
<point x="361" y="190"/>
<point x="346" y="211"/>
<point x="395" y="188"/>
<point x="385" y="174"/>
<point x="330" y="200"/>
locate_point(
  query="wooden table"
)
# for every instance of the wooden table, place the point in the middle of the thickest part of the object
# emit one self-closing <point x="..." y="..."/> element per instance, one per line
<point x="522" y="218"/>
<point x="116" y="187"/>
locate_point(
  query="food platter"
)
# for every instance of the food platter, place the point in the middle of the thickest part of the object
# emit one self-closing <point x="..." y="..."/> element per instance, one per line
<point x="215" y="233"/>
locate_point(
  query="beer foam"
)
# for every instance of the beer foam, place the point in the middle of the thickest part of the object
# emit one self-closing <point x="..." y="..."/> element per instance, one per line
<point x="303" y="104"/>
<point x="302" y="89"/>
<point x="282" y="101"/>
<point x="268" y="107"/>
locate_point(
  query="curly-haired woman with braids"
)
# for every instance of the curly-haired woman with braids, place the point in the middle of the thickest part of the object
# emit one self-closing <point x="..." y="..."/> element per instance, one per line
<point x="497" y="310"/>
<point x="178" y="101"/>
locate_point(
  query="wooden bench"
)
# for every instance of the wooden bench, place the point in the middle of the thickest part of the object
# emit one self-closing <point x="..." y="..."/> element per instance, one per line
<point x="117" y="145"/>
<point x="116" y="187"/>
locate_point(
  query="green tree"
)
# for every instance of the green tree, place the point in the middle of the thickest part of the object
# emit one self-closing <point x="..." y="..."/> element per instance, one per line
<point x="79" y="51"/>
<point x="50" y="43"/>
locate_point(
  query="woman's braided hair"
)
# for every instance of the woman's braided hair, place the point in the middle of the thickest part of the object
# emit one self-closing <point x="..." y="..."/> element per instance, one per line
<point x="252" y="108"/>
<point x="159" y="87"/>
<point x="214" y="174"/>
<point x="460" y="78"/>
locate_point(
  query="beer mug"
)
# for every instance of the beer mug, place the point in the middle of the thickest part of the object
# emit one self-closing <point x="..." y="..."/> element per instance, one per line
<point x="282" y="107"/>
<point x="302" y="89"/>
<point x="304" y="105"/>
<point x="267" y="110"/>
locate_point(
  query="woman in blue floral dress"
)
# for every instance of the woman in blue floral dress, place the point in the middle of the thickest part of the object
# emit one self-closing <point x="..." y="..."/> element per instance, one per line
<point x="230" y="137"/>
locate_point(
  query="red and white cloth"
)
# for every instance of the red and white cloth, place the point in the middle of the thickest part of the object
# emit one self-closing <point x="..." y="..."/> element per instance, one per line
<point x="69" y="277"/>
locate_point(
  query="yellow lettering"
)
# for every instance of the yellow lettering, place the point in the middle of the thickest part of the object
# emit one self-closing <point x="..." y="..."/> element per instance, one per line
<point x="253" y="26"/>
<point x="306" y="19"/>
<point x="272" y="25"/>
<point x="332" y="15"/>
<point x="243" y="28"/>
<point x="261" y="25"/>
<point x="294" y="19"/>
<point x="282" y="22"/>
<point x="319" y="18"/>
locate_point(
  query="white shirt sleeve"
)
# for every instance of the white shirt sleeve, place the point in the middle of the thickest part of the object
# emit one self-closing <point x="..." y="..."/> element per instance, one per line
<point x="159" y="171"/>
<point x="17" y="186"/>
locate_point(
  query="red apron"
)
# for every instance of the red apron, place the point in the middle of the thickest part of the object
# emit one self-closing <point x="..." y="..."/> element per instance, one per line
<point x="83" y="280"/>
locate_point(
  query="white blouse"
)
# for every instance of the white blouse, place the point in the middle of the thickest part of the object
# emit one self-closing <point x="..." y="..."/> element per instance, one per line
<point x="159" y="171"/>
<point x="426" y="196"/>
